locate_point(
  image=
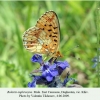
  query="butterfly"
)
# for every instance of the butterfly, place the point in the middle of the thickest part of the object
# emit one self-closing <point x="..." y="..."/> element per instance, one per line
<point x="44" y="37"/>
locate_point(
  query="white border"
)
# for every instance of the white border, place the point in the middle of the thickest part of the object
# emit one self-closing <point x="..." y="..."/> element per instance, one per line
<point x="58" y="93"/>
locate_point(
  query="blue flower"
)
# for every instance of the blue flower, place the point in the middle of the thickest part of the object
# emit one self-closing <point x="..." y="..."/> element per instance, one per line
<point x="37" y="58"/>
<point x="49" y="72"/>
<point x="95" y="60"/>
<point x="44" y="67"/>
<point x="67" y="79"/>
<point x="61" y="66"/>
<point x="32" y="84"/>
<point x="38" y="80"/>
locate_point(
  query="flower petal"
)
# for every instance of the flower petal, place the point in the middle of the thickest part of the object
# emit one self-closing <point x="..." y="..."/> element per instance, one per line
<point x="37" y="58"/>
<point x="32" y="84"/>
<point x="54" y="72"/>
<point x="62" y="64"/>
<point x="53" y="66"/>
<point x="49" y="78"/>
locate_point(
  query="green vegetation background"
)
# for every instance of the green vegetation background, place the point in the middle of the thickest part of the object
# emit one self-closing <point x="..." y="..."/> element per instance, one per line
<point x="77" y="25"/>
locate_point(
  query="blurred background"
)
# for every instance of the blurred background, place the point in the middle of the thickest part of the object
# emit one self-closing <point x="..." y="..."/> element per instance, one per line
<point x="77" y="25"/>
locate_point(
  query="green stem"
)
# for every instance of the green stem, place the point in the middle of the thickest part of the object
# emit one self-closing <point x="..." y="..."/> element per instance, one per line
<point x="98" y="41"/>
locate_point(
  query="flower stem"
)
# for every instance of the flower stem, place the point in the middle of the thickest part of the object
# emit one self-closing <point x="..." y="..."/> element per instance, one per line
<point x="98" y="40"/>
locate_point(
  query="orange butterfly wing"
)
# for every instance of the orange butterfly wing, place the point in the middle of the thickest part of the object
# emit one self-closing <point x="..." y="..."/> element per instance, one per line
<point x="45" y="36"/>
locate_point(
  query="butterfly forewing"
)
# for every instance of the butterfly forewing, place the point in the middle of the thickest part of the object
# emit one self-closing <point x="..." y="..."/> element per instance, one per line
<point x="45" y="36"/>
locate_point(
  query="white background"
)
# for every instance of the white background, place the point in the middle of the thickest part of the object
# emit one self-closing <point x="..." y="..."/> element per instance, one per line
<point x="89" y="93"/>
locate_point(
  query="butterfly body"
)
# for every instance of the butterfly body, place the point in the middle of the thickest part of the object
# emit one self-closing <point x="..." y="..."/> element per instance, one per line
<point x="44" y="38"/>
